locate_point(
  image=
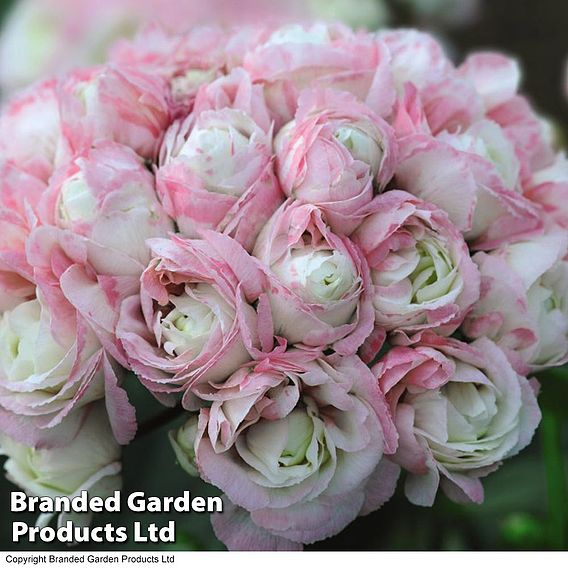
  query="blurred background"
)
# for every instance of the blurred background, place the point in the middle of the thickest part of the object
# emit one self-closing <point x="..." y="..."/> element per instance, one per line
<point x="525" y="505"/>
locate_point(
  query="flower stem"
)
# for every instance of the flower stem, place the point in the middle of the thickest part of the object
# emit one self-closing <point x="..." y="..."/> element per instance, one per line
<point x="158" y="421"/>
<point x="551" y="431"/>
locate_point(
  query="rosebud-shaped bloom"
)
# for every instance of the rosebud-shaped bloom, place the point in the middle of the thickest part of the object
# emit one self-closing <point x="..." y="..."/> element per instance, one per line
<point x="107" y="195"/>
<point x="90" y="462"/>
<point x="184" y="327"/>
<point x="486" y="139"/>
<point x="469" y="187"/>
<point x="320" y="289"/>
<point x="217" y="173"/>
<point x="186" y="60"/>
<point x="496" y="79"/>
<point x="300" y="454"/>
<point x="422" y="273"/>
<point x="98" y="213"/>
<point x="524" y="302"/>
<point x="45" y="372"/>
<point x="459" y="410"/>
<point x="114" y="103"/>
<point x="417" y="61"/>
<point x="327" y="55"/>
<point x="182" y="441"/>
<point x="334" y="153"/>
<point x="30" y="131"/>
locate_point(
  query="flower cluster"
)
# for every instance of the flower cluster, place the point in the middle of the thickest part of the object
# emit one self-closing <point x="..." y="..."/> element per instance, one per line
<point x="339" y="252"/>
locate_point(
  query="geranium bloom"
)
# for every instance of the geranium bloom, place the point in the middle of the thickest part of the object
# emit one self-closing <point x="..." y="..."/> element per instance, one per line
<point x="217" y="173"/>
<point x="324" y="55"/>
<point x="30" y="131"/>
<point x="90" y="462"/>
<point x="90" y="247"/>
<point x="422" y="273"/>
<point x="459" y="411"/>
<point x="184" y="327"/>
<point x="51" y="367"/>
<point x="116" y="103"/>
<point x="319" y="282"/>
<point x="523" y="305"/>
<point x="334" y="154"/>
<point x="294" y="440"/>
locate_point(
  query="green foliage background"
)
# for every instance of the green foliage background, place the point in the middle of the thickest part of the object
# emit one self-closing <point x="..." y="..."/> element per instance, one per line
<point x="526" y="505"/>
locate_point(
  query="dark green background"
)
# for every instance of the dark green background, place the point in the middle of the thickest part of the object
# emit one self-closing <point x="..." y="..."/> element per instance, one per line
<point x="515" y="513"/>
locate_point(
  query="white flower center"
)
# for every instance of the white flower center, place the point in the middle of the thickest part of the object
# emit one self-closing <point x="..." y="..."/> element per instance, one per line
<point x="192" y="320"/>
<point x="191" y="80"/>
<point x="548" y="305"/>
<point x="63" y="470"/>
<point x="300" y="433"/>
<point x="427" y="269"/>
<point x="459" y="413"/>
<point x="285" y="452"/>
<point x="361" y="146"/>
<point x="212" y="151"/>
<point x="88" y="92"/>
<point x="319" y="276"/>
<point x="471" y="409"/>
<point x="76" y="202"/>
<point x="26" y="347"/>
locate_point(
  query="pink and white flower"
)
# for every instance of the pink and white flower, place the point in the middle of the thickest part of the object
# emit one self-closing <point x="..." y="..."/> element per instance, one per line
<point x="319" y="282"/>
<point x="418" y="62"/>
<point x="90" y="248"/>
<point x="31" y="131"/>
<point x="335" y="153"/>
<point x="90" y="462"/>
<point x="115" y="103"/>
<point x="459" y="411"/>
<point x="247" y="218"/>
<point x="295" y="441"/>
<point x="235" y="91"/>
<point x="186" y="60"/>
<point x="103" y="191"/>
<point x="187" y="325"/>
<point x="468" y="186"/>
<point x="217" y="173"/>
<point x="296" y="56"/>
<point x="421" y="271"/>
<point x="51" y="367"/>
<point x="524" y="299"/>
